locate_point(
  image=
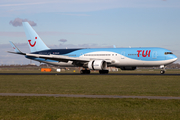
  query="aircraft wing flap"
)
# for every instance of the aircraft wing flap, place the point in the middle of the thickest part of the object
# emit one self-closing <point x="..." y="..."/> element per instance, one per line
<point x="59" y="57"/>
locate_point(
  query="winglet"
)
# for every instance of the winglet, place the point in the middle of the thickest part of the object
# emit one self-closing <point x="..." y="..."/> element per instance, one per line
<point x="16" y="50"/>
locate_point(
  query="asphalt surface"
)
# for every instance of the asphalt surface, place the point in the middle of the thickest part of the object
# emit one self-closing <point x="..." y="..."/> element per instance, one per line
<point x="90" y="96"/>
<point x="86" y="74"/>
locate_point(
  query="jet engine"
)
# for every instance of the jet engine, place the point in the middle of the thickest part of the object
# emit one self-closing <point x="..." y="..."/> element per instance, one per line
<point x="97" y="65"/>
<point x="128" y="68"/>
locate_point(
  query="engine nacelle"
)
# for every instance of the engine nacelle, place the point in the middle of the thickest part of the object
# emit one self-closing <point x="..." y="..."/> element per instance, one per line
<point x="128" y="68"/>
<point x="97" y="65"/>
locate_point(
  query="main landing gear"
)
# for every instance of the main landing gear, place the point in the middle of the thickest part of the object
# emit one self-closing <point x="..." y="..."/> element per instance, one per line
<point x="103" y="71"/>
<point x="162" y="69"/>
<point x="85" y="71"/>
<point x="88" y="71"/>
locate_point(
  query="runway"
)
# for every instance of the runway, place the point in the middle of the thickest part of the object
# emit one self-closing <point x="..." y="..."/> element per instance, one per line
<point x="90" y="96"/>
<point x="88" y="74"/>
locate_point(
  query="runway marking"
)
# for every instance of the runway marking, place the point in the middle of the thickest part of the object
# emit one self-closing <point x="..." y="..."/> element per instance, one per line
<point x="90" y="96"/>
<point x="87" y="74"/>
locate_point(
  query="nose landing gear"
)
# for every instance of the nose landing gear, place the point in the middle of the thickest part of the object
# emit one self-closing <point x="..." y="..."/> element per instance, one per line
<point x="162" y="69"/>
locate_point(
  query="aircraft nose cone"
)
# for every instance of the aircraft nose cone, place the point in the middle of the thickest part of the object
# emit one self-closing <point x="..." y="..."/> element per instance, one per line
<point x="174" y="57"/>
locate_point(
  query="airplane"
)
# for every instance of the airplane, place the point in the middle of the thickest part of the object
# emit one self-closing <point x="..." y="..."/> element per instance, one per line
<point x="95" y="58"/>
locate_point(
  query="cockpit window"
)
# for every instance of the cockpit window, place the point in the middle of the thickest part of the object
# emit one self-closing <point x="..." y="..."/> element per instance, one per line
<point x="166" y="53"/>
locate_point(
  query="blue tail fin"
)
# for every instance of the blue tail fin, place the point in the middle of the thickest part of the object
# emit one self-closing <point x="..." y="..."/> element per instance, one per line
<point x="34" y="41"/>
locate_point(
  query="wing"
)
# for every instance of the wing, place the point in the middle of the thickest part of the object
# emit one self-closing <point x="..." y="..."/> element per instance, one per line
<point x="59" y="57"/>
<point x="65" y="58"/>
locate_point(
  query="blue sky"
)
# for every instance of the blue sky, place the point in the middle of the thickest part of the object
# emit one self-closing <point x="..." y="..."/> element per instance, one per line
<point x="91" y="23"/>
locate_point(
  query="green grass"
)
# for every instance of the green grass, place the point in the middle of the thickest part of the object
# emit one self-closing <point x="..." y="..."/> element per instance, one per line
<point x="51" y="108"/>
<point x="93" y="85"/>
<point x="59" y="108"/>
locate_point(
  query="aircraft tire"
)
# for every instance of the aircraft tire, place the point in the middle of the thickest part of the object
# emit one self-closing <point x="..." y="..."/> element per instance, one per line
<point x="103" y="71"/>
<point x="85" y="71"/>
<point x="162" y="71"/>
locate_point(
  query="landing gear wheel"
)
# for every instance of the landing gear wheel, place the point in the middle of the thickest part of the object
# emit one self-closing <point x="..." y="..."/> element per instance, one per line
<point x="103" y="71"/>
<point x="82" y="72"/>
<point x="85" y="71"/>
<point x="162" y="71"/>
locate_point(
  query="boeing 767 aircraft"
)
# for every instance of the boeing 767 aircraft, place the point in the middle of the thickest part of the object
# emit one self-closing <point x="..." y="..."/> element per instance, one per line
<point x="95" y="58"/>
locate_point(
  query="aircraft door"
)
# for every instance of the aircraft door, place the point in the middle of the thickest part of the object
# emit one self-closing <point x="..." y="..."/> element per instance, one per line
<point x="154" y="54"/>
<point x="81" y="54"/>
<point x="122" y="55"/>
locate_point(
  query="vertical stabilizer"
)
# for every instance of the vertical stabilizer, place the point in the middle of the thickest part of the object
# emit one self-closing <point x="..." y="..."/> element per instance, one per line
<point x="34" y="41"/>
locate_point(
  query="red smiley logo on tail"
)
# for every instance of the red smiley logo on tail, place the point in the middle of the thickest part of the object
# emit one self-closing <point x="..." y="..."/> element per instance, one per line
<point x="31" y="44"/>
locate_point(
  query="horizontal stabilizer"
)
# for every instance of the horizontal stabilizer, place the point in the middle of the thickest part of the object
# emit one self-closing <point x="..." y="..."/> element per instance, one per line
<point x="16" y="50"/>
